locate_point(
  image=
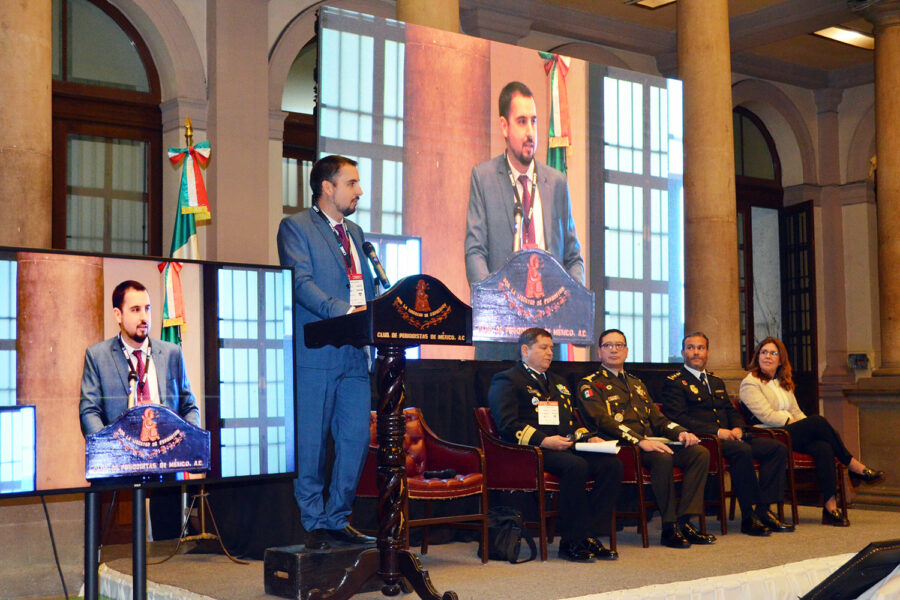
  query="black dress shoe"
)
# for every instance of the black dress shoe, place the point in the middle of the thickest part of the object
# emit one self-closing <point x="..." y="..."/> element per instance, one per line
<point x="576" y="551"/>
<point x="753" y="526"/>
<point x="834" y="517"/>
<point x="672" y="537"/>
<point x="315" y="540"/>
<point x="770" y="520"/>
<point x="867" y="476"/>
<point x="694" y="536"/>
<point x="350" y="536"/>
<point x="600" y="551"/>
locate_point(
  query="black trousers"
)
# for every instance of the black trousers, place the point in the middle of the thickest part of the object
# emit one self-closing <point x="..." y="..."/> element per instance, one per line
<point x="694" y="464"/>
<point x="769" y="487"/>
<point x="815" y="436"/>
<point x="581" y="513"/>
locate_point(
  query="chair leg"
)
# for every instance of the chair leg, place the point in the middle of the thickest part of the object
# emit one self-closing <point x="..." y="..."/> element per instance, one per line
<point x="795" y="517"/>
<point x="484" y="526"/>
<point x="542" y="524"/>
<point x="723" y="521"/>
<point x="428" y="511"/>
<point x="642" y="516"/>
<point x="841" y="487"/>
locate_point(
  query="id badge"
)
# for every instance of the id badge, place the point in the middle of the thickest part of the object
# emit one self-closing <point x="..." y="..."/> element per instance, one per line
<point x="357" y="290"/>
<point x="548" y="412"/>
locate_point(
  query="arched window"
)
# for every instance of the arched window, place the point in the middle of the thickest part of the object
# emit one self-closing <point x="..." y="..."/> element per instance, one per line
<point x="107" y="141"/>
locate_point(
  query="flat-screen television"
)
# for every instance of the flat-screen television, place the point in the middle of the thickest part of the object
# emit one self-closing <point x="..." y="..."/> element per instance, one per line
<point x="234" y="324"/>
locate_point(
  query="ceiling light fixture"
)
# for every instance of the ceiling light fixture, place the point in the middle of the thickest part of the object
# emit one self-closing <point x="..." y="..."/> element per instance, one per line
<point x="848" y="36"/>
<point x="650" y="3"/>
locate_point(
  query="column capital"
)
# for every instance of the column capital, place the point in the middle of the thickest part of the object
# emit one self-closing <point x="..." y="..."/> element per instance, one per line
<point x="883" y="15"/>
<point x="828" y="99"/>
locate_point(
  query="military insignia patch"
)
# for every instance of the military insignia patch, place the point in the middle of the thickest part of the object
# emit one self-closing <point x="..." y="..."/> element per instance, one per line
<point x="694" y="389"/>
<point x="619" y="417"/>
<point x="535" y="400"/>
<point x="563" y="389"/>
<point x="683" y="382"/>
<point x="613" y="398"/>
<point x="641" y="391"/>
<point x="587" y="393"/>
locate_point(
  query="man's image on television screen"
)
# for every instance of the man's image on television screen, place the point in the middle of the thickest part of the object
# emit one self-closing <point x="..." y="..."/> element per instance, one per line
<point x="131" y="368"/>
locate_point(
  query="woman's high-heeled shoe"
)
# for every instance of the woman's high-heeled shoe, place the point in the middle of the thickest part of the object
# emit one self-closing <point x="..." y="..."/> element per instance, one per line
<point x="867" y="476"/>
<point x="834" y="517"/>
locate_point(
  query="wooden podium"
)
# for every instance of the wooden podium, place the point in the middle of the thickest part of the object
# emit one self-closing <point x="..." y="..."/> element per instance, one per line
<point x="417" y="310"/>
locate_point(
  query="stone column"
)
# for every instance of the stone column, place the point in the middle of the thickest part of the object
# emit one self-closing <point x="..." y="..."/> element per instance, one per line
<point x="238" y="130"/>
<point x="60" y="307"/>
<point x="26" y="124"/>
<point x="710" y="225"/>
<point x="439" y="15"/>
<point x="886" y="17"/>
<point x="436" y="171"/>
<point x="878" y="397"/>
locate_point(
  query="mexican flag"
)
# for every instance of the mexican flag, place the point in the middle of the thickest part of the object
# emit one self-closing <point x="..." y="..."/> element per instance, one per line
<point x="557" y="67"/>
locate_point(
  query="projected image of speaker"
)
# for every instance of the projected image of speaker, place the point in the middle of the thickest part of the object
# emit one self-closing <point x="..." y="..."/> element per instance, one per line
<point x="859" y="574"/>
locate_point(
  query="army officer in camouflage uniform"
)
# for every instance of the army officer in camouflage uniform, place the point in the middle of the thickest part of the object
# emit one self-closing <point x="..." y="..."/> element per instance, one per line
<point x="617" y="405"/>
<point x="534" y="407"/>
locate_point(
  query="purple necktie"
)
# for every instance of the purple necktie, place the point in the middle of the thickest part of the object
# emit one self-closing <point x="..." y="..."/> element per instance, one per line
<point x="528" y="239"/>
<point x="143" y="390"/>
<point x="345" y="242"/>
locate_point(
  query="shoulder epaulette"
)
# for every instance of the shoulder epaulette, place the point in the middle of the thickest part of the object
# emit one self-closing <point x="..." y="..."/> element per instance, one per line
<point x="673" y="376"/>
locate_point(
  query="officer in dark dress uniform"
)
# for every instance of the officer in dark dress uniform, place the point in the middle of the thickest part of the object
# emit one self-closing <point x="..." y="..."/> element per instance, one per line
<point x="617" y="405"/>
<point x="534" y="407"/>
<point x="696" y="398"/>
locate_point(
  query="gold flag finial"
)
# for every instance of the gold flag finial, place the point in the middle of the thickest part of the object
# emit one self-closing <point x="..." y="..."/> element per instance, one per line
<point x="188" y="132"/>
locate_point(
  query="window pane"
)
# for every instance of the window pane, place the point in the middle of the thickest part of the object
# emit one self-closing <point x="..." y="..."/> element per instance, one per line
<point x="100" y="53"/>
<point x="107" y="199"/>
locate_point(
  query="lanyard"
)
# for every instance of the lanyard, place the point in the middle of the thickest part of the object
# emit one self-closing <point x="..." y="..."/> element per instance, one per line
<point x="348" y="260"/>
<point x="132" y="374"/>
<point x="515" y="187"/>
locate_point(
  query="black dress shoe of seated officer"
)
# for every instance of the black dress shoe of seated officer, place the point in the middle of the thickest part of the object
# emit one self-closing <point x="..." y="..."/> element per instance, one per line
<point x="770" y="520"/>
<point x="599" y="551"/>
<point x="350" y="537"/>
<point x="694" y="536"/>
<point x="753" y="526"/>
<point x="579" y="551"/>
<point x="672" y="538"/>
<point x="315" y="540"/>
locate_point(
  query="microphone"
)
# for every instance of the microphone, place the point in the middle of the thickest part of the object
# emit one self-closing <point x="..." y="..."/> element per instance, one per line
<point x="369" y="249"/>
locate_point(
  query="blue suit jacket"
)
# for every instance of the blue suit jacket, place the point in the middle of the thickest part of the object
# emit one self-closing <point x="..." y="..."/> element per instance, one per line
<point x="104" y="383"/>
<point x="490" y="221"/>
<point x="321" y="286"/>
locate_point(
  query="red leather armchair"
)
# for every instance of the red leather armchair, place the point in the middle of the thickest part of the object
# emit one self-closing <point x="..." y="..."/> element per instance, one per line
<point x="798" y="461"/>
<point x="427" y="452"/>
<point x="511" y="467"/>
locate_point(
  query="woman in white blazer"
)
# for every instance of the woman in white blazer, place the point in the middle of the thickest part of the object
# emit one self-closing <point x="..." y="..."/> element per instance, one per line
<point x="768" y="393"/>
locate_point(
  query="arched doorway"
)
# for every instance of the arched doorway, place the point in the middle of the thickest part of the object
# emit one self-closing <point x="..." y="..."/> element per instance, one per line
<point x="776" y="262"/>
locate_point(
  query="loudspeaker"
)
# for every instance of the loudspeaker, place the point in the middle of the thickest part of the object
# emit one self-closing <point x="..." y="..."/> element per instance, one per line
<point x="870" y="565"/>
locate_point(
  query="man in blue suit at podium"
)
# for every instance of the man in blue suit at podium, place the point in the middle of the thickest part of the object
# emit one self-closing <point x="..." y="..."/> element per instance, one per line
<point x="330" y="279"/>
<point x="131" y="368"/>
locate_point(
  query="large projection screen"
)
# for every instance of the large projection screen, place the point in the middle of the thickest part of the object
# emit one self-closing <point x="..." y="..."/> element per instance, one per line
<point x="418" y="108"/>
